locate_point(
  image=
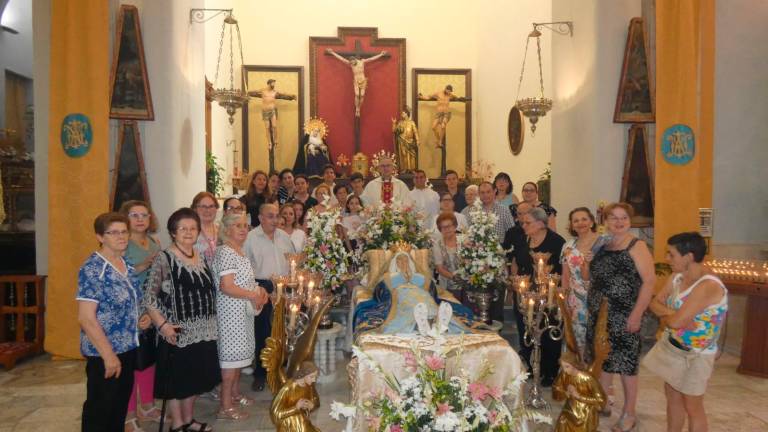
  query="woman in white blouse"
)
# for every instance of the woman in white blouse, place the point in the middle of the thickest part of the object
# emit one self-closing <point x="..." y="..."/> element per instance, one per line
<point x="292" y="228"/>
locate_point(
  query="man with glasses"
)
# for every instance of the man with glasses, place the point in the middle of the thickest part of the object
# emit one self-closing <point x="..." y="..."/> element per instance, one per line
<point x="266" y="247"/>
<point x="386" y="189"/>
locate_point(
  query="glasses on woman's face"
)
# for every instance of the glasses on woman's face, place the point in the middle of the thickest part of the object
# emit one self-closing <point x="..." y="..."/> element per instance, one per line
<point x="187" y="229"/>
<point x="234" y="208"/>
<point x="135" y="215"/>
<point x="613" y="218"/>
<point x="529" y="190"/>
<point x="116" y="233"/>
<point x="445" y="227"/>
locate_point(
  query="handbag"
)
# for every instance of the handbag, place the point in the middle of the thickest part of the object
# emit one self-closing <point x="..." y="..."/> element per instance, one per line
<point x="146" y="353"/>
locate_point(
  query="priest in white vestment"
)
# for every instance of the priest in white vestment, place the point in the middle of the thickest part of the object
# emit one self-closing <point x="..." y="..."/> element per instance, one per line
<point x="425" y="200"/>
<point x="386" y="189"/>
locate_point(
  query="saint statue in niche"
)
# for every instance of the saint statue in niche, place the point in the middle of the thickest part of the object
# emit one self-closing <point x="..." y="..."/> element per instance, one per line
<point x="406" y="141"/>
<point x="359" y="80"/>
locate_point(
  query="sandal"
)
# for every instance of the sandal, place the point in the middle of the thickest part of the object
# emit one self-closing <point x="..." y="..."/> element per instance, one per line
<point x="620" y="425"/>
<point x="231" y="414"/>
<point x="243" y="400"/>
<point x="607" y="409"/>
<point x="134" y="425"/>
<point x="181" y="428"/>
<point x="203" y="427"/>
<point x="151" y="415"/>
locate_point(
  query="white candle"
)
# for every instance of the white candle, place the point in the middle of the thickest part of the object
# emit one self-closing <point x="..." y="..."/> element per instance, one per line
<point x="292" y="317"/>
<point x="522" y="286"/>
<point x="530" y="311"/>
<point x="293" y="269"/>
<point x="540" y="266"/>
<point x="316" y="305"/>
<point x="551" y="292"/>
<point x="301" y="284"/>
<point x="279" y="291"/>
<point x="310" y="287"/>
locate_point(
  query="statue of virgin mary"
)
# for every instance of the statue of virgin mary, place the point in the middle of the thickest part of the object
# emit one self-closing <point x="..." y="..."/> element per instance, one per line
<point x="395" y="296"/>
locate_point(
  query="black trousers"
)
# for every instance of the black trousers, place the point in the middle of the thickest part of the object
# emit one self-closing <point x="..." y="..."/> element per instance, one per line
<point x="263" y="328"/>
<point x="106" y="401"/>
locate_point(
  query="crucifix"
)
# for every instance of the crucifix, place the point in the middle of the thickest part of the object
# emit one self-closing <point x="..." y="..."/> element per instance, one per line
<point x="356" y="60"/>
<point x="442" y="117"/>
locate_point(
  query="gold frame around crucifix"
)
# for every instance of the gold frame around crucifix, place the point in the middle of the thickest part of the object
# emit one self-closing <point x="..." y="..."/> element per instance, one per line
<point x="458" y="134"/>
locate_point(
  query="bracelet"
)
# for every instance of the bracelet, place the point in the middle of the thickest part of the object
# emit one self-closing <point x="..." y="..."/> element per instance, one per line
<point x="161" y="325"/>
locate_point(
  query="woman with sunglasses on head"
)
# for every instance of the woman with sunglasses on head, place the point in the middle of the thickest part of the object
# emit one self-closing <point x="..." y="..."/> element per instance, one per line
<point x="233" y="205"/>
<point x="206" y="206"/>
<point x="531" y="196"/>
<point x="108" y="301"/>
<point x="142" y="249"/>
<point x="180" y="297"/>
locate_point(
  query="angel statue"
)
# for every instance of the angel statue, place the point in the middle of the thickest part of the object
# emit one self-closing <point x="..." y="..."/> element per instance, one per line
<point x="403" y="301"/>
<point x="293" y="386"/>
<point x="583" y="395"/>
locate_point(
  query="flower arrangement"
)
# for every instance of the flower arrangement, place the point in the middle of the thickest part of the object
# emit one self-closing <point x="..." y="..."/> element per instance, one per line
<point x="435" y="398"/>
<point x="385" y="225"/>
<point x="481" y="258"/>
<point x="325" y="252"/>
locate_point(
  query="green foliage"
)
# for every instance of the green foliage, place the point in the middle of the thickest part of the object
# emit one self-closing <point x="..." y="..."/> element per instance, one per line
<point x="214" y="175"/>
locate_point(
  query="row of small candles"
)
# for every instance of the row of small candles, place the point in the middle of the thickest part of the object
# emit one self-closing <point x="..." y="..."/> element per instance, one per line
<point x="740" y="270"/>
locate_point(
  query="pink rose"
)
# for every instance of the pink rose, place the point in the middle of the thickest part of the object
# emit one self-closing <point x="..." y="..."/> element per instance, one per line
<point x="492" y="415"/>
<point x="434" y="362"/>
<point x="395" y="428"/>
<point x="495" y="392"/>
<point x="324" y="248"/>
<point x="479" y="391"/>
<point x="443" y="408"/>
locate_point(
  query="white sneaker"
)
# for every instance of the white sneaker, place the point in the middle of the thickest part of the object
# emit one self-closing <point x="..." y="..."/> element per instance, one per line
<point x="248" y="370"/>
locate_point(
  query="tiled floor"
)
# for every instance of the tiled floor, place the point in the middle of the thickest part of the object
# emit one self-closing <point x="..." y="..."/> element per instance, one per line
<point x="42" y="395"/>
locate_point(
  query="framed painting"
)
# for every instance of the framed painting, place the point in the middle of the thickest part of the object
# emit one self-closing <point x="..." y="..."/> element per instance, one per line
<point x="635" y="101"/>
<point x="277" y="119"/>
<point x="455" y="150"/>
<point x="637" y="182"/>
<point x="130" y="97"/>
<point x="129" y="180"/>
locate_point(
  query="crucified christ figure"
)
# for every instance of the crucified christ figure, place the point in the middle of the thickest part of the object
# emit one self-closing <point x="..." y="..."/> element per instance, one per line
<point x="269" y="98"/>
<point x="359" y="81"/>
<point x="443" y="111"/>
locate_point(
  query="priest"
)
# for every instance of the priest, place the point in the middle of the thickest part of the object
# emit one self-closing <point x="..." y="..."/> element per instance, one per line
<point x="386" y="189"/>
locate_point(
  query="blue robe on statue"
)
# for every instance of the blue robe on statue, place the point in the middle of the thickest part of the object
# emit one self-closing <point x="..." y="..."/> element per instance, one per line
<point x="390" y="311"/>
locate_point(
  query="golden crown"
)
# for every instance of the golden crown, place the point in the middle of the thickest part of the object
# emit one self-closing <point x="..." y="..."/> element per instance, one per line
<point x="401" y="246"/>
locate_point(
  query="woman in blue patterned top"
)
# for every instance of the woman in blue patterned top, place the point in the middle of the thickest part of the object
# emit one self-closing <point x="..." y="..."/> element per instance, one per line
<point x="108" y="299"/>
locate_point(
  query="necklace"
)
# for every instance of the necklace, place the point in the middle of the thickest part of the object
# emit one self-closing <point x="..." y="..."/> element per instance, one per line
<point x="190" y="256"/>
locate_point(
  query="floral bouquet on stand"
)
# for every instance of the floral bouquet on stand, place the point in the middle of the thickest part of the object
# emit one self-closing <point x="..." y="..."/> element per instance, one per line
<point x="481" y="265"/>
<point x="325" y="252"/>
<point x="435" y="398"/>
<point x="385" y="225"/>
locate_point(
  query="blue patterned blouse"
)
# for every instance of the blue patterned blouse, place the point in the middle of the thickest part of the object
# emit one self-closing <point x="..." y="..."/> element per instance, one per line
<point x="118" y="297"/>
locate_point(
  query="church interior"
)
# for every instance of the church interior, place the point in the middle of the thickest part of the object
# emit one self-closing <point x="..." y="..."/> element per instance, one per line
<point x="616" y="166"/>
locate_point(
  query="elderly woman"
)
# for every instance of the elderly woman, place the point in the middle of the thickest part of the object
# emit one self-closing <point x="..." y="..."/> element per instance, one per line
<point x="237" y="288"/>
<point x="141" y="251"/>
<point x="180" y="296"/>
<point x="257" y="194"/>
<point x="471" y="193"/>
<point x="108" y="301"/>
<point x="575" y="259"/>
<point x="444" y="252"/>
<point x="447" y="206"/>
<point x="538" y="239"/>
<point x="206" y="206"/>
<point x="531" y="196"/>
<point x="693" y="304"/>
<point x="622" y="273"/>
<point x="292" y="228"/>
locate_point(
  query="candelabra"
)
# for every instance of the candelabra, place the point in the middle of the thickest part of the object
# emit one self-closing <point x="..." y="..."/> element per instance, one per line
<point x="539" y="308"/>
<point x="302" y="298"/>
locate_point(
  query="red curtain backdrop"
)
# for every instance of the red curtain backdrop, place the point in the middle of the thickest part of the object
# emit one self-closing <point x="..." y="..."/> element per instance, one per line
<point x="333" y="96"/>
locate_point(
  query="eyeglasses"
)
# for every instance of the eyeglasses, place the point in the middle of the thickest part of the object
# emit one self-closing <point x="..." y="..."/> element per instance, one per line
<point x="187" y="229"/>
<point x="445" y="227"/>
<point x="529" y="190"/>
<point x="206" y="207"/>
<point x="116" y="233"/>
<point x="234" y="208"/>
<point x="134" y="215"/>
<point x="615" y="218"/>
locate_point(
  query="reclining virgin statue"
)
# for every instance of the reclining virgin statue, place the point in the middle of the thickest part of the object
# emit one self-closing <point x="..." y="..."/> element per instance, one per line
<point x="395" y="296"/>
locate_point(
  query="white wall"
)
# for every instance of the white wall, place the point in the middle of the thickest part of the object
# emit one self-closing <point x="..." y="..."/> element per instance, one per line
<point x="15" y="49"/>
<point x="588" y="149"/>
<point x="173" y="145"/>
<point x="439" y="33"/>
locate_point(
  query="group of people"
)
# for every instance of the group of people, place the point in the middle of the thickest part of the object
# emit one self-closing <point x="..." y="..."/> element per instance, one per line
<point x="206" y="295"/>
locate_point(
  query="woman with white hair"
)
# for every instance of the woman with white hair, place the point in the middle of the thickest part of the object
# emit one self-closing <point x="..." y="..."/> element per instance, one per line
<point x="238" y="299"/>
<point x="471" y="193"/>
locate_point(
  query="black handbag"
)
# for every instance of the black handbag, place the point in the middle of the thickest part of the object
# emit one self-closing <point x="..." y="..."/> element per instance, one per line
<point x="146" y="354"/>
